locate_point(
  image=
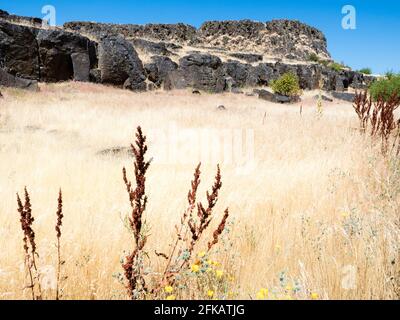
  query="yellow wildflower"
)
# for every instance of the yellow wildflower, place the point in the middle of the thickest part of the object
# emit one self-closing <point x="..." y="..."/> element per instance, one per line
<point x="201" y="254"/>
<point x="219" y="273"/>
<point x="260" y="295"/>
<point x="210" y="293"/>
<point x="168" y="289"/>
<point x="278" y="248"/>
<point x="264" y="291"/>
<point x="195" y="268"/>
<point x="345" y="214"/>
<point x="289" y="288"/>
<point x="171" y="297"/>
<point x="314" y="296"/>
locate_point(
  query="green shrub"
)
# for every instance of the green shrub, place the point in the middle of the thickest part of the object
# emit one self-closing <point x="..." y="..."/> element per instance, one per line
<point x="385" y="87"/>
<point x="365" y="70"/>
<point x="287" y="85"/>
<point x="313" y="57"/>
<point x="336" y="66"/>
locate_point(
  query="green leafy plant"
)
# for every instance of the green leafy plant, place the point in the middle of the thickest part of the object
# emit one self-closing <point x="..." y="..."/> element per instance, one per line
<point x="287" y="85"/>
<point x="386" y="87"/>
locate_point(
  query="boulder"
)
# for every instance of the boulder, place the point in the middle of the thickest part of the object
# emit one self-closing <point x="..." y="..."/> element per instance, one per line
<point x="119" y="63"/>
<point x="19" y="53"/>
<point x="275" y="97"/>
<point x="57" y="49"/>
<point x="346" y="96"/>
<point x="9" y="80"/>
<point x="159" y="68"/>
<point x="265" y="95"/>
<point x="199" y="71"/>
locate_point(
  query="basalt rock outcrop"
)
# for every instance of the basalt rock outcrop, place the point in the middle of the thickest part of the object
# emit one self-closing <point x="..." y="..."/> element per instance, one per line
<point x="219" y="56"/>
<point x="119" y="64"/>
<point x="45" y="55"/>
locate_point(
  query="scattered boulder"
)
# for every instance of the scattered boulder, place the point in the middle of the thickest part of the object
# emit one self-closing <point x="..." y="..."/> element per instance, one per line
<point x="265" y="95"/>
<point x="275" y="97"/>
<point x="119" y="64"/>
<point x="221" y="107"/>
<point x="346" y="96"/>
<point x="9" y="80"/>
<point x="323" y="97"/>
<point x="196" y="92"/>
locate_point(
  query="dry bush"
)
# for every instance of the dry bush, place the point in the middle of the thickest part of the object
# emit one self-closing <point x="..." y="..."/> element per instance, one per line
<point x="379" y="116"/>
<point x="30" y="247"/>
<point x="188" y="233"/>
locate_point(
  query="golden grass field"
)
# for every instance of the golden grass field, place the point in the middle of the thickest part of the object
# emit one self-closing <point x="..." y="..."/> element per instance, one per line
<point x="317" y="209"/>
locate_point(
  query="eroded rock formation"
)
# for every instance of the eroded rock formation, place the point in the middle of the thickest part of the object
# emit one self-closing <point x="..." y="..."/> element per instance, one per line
<point x="219" y="56"/>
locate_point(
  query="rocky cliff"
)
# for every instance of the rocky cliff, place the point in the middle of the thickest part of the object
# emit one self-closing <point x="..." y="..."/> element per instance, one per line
<point x="219" y="56"/>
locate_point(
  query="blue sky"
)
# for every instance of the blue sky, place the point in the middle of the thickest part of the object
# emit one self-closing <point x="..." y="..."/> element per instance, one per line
<point x="375" y="42"/>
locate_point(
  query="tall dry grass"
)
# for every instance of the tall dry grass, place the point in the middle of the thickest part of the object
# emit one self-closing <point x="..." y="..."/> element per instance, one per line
<point x="318" y="214"/>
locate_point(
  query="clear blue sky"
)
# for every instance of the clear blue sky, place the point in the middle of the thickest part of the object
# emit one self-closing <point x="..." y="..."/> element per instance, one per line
<point x="375" y="43"/>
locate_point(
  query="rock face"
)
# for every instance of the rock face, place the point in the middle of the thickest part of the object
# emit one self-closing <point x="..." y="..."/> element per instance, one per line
<point x="198" y="71"/>
<point x="119" y="63"/>
<point x="64" y="56"/>
<point x="219" y="56"/>
<point x="5" y="16"/>
<point x="45" y="55"/>
<point x="280" y="38"/>
<point x="19" y="52"/>
<point x="177" y="33"/>
<point x="158" y="70"/>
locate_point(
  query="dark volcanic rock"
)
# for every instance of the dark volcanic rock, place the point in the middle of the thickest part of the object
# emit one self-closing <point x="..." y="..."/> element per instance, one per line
<point x="159" y="68"/>
<point x="248" y="57"/>
<point x="245" y="28"/>
<point x="56" y="49"/>
<point x="81" y="66"/>
<point x="346" y="96"/>
<point x="180" y="33"/>
<point x="120" y="64"/>
<point x="199" y="71"/>
<point x="275" y="97"/>
<point x="8" y="80"/>
<point x="5" y="16"/>
<point x="287" y="37"/>
<point x="157" y="48"/>
<point x="19" y="53"/>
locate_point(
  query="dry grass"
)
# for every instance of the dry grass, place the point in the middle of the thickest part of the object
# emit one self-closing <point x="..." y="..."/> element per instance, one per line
<point x="320" y="203"/>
